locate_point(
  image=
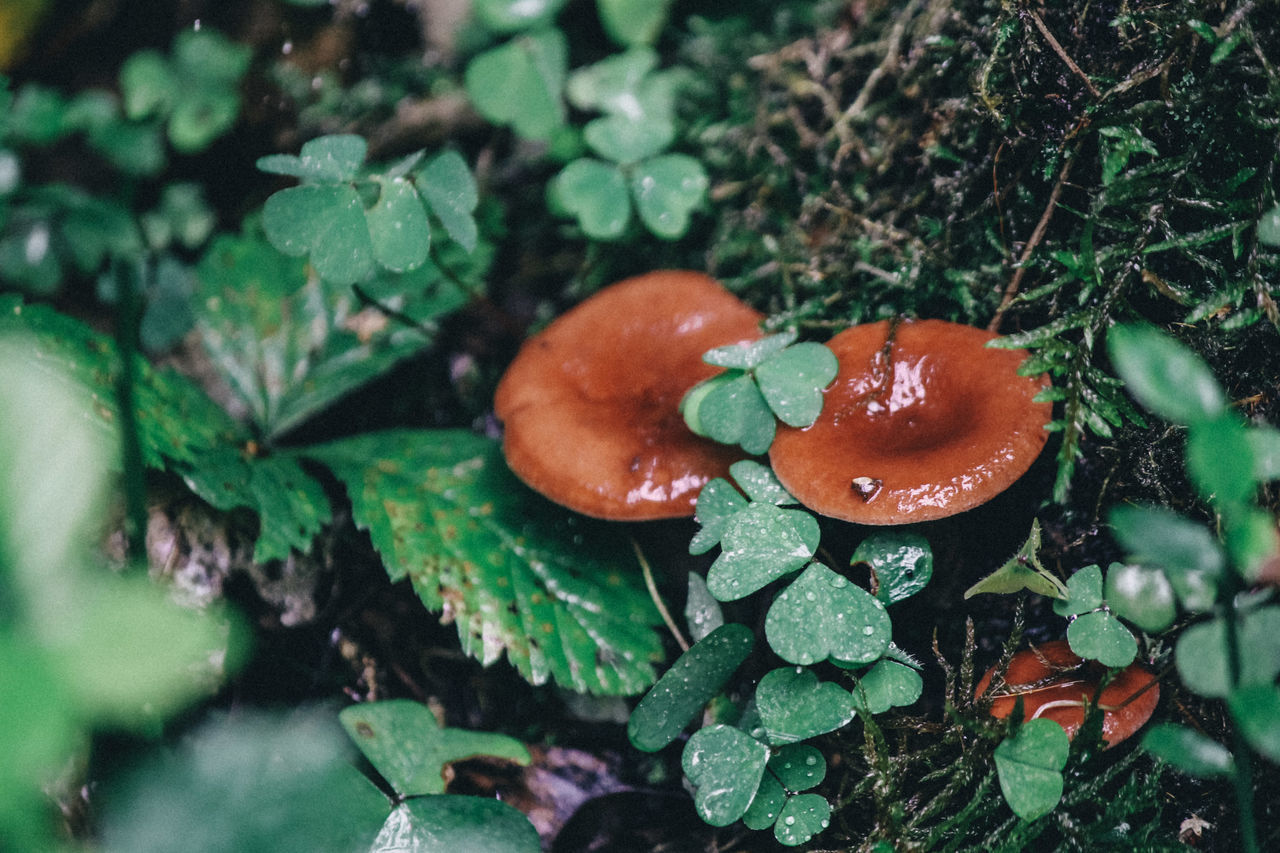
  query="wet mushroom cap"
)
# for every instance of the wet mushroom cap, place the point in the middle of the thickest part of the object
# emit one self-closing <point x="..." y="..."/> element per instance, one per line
<point x="923" y="421"/>
<point x="591" y="404"/>
<point x="1055" y="683"/>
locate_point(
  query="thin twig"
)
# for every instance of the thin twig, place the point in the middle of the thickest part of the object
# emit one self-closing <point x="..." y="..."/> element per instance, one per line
<point x="1057" y="48"/>
<point x="657" y="599"/>
<point x="1037" y="236"/>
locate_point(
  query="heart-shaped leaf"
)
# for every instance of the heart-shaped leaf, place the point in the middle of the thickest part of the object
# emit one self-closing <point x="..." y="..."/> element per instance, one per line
<point x="1084" y="593"/>
<point x="403" y="742"/>
<point x="1142" y="595"/>
<point x="398" y="226"/>
<point x="725" y="765"/>
<point x="702" y="612"/>
<point x="718" y="503"/>
<point x="666" y="191"/>
<point x="767" y="804"/>
<point x="749" y="355"/>
<point x="611" y="84"/>
<point x="520" y="83"/>
<point x="687" y="686"/>
<point x="821" y="614"/>
<point x="325" y="221"/>
<point x="886" y="685"/>
<point x="325" y="159"/>
<point x="795" y="706"/>
<point x="760" y="483"/>
<point x="798" y="766"/>
<point x="803" y="816"/>
<point x="761" y="544"/>
<point x="732" y="411"/>
<point x="636" y="21"/>
<point x="456" y="822"/>
<point x="595" y="193"/>
<point x="1029" y="766"/>
<point x="450" y="189"/>
<point x="901" y="562"/>
<point x="1100" y="636"/>
<point x="792" y="382"/>
<point x="628" y="139"/>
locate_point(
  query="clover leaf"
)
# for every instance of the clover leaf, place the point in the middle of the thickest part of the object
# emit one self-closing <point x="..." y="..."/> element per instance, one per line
<point x="1100" y="636"/>
<point x="795" y="706"/>
<point x="521" y="82"/>
<point x="1141" y="595"/>
<point x="666" y="190"/>
<point x="687" y="686"/>
<point x="804" y="816"/>
<point x="822" y="615"/>
<point x="595" y="193"/>
<point x="1029" y="765"/>
<point x="725" y="766"/>
<point x="761" y="544"/>
<point x="901" y="563"/>
<point x="718" y="503"/>
<point x="792" y="381"/>
<point x="886" y="685"/>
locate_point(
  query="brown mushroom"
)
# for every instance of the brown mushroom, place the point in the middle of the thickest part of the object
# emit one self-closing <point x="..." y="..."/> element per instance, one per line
<point x="1055" y="683"/>
<point x="591" y="403"/>
<point x="923" y="421"/>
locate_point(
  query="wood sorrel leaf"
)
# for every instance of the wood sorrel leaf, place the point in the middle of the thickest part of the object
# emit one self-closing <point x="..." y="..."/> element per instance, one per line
<point x="795" y="706"/>
<point x="798" y="766"/>
<point x="1029" y="766"/>
<point x="520" y="83"/>
<point x="886" y="685"/>
<point x="760" y="483"/>
<point x="902" y="563"/>
<point x="404" y="742"/>
<point x="1084" y="593"/>
<point x="325" y="159"/>
<point x="326" y="222"/>
<point x="702" y="612"/>
<point x="1188" y="750"/>
<point x="761" y="544"/>
<point x="792" y="380"/>
<point x="821" y="614"/>
<point x="1100" y="636"/>
<point x="803" y="816"/>
<point x="725" y="765"/>
<point x="718" y="503"/>
<point x="595" y="193"/>
<point x="398" y="226"/>
<point x="767" y="804"/>
<point x="1191" y="557"/>
<point x="691" y="682"/>
<point x="666" y="190"/>
<point x="733" y="412"/>
<point x="450" y="189"/>
<point x="749" y="355"/>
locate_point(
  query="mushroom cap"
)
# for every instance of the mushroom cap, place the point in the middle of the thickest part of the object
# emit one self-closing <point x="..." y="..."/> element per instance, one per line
<point x="926" y="425"/>
<point x="1051" y="673"/>
<point x="591" y="405"/>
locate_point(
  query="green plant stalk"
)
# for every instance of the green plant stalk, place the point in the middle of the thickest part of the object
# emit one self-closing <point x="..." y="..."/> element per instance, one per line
<point x="1242" y="775"/>
<point x="128" y="319"/>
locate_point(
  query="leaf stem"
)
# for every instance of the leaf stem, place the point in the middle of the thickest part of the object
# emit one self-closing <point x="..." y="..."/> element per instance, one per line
<point x="657" y="598"/>
<point x="128" y="310"/>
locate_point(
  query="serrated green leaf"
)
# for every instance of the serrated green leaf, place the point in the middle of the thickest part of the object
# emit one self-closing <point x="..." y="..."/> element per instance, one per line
<point x="555" y="592"/>
<point x="725" y="766"/>
<point x="398" y="229"/>
<point x="761" y="544"/>
<point x="450" y="189"/>
<point x="1100" y="636"/>
<point x="902" y="563"/>
<point x="888" y="684"/>
<point x="795" y="706"/>
<point x="1165" y="376"/>
<point x="1084" y="593"/>
<point x="1201" y="654"/>
<point x="685" y="688"/>
<point x="1141" y="595"/>
<point x="290" y="504"/>
<point x="822" y="615"/>
<point x="1029" y="766"/>
<point x="803" y="816"/>
<point x="792" y="381"/>
<point x="595" y="193"/>
<point x="407" y="746"/>
<point x="666" y="190"/>
<point x="455" y="822"/>
<point x="1188" y="750"/>
<point x="521" y="83"/>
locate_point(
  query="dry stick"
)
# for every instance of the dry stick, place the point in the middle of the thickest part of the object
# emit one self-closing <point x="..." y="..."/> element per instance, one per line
<point x="657" y="599"/>
<point x="1057" y="48"/>
<point x="1036" y="237"/>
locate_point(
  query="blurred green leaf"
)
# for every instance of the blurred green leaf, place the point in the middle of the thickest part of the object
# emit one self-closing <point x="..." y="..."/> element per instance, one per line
<point x="1256" y="710"/>
<point x="1165" y="376"/>
<point x="1141" y="595"/>
<point x="521" y="82"/>
<point x="611" y="85"/>
<point x="666" y="190"/>
<point x="1219" y="458"/>
<point x="450" y="189"/>
<point x="725" y="766"/>
<point x="1188" y="553"/>
<point x="1269" y="227"/>
<point x="511" y="16"/>
<point x="1029" y="765"/>
<point x="1201" y="653"/>
<point x="516" y="574"/>
<point x="684" y="689"/>
<point x="462" y="824"/>
<point x="902" y="563"/>
<point x="326" y="159"/>
<point x="251" y="782"/>
<point x="822" y="615"/>
<point x="406" y="745"/>
<point x="795" y="706"/>
<point x="1188" y="750"/>
<point x="633" y="22"/>
<point x="595" y="193"/>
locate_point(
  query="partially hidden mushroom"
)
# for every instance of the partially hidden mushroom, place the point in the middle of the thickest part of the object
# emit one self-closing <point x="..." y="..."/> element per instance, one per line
<point x="924" y="420"/>
<point x="590" y="405"/>
<point x="1055" y="683"/>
